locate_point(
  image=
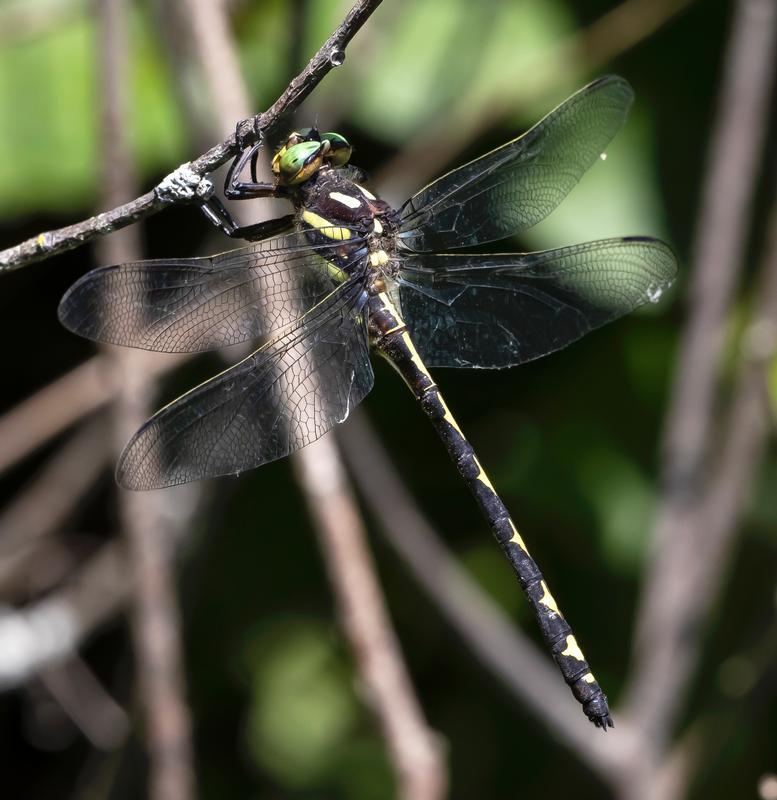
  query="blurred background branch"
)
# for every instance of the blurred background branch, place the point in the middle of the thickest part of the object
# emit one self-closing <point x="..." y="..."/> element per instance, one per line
<point x="149" y="521"/>
<point x="416" y="755"/>
<point x="686" y="567"/>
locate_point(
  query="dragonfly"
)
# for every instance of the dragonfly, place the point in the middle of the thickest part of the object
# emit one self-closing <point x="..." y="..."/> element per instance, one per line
<point x="345" y="273"/>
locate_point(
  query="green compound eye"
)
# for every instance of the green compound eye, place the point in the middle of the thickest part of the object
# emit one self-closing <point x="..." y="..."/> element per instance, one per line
<point x="299" y="162"/>
<point x="339" y="149"/>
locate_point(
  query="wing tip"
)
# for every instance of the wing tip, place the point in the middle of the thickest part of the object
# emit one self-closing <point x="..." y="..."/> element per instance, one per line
<point x="74" y="307"/>
<point x="130" y="473"/>
<point x="611" y="79"/>
<point x="69" y="302"/>
<point x="670" y="263"/>
<point x="127" y="478"/>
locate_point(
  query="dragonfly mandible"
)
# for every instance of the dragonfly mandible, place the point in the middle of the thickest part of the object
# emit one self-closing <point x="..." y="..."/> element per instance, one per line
<point x="346" y="272"/>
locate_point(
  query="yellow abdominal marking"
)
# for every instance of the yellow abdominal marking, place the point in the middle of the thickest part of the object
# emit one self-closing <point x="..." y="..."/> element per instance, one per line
<point x="573" y="649"/>
<point x="41" y="240"/>
<point x="483" y="478"/>
<point x="547" y="599"/>
<point x="589" y="678"/>
<point x="335" y="272"/>
<point x="379" y="258"/>
<point x="345" y="199"/>
<point x="414" y="354"/>
<point x="517" y="538"/>
<point x="449" y="418"/>
<point x="326" y="228"/>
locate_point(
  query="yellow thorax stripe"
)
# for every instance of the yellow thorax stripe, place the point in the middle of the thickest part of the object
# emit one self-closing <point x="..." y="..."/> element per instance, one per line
<point x="325" y="227"/>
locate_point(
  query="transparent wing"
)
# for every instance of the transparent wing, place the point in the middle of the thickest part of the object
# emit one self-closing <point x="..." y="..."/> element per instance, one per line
<point x="283" y="396"/>
<point x="495" y="311"/>
<point x="195" y="304"/>
<point x="516" y="185"/>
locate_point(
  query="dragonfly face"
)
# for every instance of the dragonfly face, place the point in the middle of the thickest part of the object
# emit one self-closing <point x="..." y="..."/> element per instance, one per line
<point x="305" y="152"/>
<point x="305" y="293"/>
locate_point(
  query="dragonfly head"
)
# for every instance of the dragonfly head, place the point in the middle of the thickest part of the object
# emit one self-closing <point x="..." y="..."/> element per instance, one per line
<point x="340" y="150"/>
<point x="305" y="152"/>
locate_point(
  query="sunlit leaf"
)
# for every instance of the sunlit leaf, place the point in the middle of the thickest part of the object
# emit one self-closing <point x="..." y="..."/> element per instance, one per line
<point x="49" y="150"/>
<point x="47" y="132"/>
<point x="302" y="706"/>
<point x="414" y="77"/>
<point x="264" y="33"/>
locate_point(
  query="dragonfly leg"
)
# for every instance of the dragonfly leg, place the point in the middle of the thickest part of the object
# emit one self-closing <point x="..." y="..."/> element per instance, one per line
<point x="236" y="189"/>
<point x="218" y="214"/>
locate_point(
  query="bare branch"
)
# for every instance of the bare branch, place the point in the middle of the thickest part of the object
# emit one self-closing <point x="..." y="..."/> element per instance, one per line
<point x="45" y="503"/>
<point x="50" y="243"/>
<point x="83" y="698"/>
<point x="187" y="183"/>
<point x="673" y="605"/>
<point x="64" y="401"/>
<point x="415" y="752"/>
<point x="147" y="519"/>
<point x="331" y="54"/>
<point x="49" y="631"/>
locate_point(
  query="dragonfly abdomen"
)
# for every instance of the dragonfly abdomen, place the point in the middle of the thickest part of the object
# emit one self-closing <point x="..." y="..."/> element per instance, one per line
<point x="392" y="339"/>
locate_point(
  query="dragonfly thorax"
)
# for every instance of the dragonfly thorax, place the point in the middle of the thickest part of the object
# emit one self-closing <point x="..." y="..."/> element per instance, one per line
<point x="350" y="222"/>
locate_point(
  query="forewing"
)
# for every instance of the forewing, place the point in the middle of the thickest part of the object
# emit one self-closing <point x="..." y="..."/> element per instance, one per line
<point x="495" y="311"/>
<point x="196" y="304"/>
<point x="283" y="396"/>
<point x="519" y="184"/>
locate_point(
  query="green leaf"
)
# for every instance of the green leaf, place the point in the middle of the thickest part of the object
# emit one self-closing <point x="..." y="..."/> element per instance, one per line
<point x="437" y="52"/>
<point x="49" y="147"/>
<point x="302" y="707"/>
<point x="47" y="107"/>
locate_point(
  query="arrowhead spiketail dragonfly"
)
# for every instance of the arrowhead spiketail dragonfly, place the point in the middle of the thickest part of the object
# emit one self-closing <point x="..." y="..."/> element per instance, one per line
<point x="345" y="273"/>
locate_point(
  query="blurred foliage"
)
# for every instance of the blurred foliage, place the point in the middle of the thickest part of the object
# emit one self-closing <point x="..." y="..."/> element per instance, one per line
<point x="305" y="725"/>
<point x="49" y="134"/>
<point x="570" y="440"/>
